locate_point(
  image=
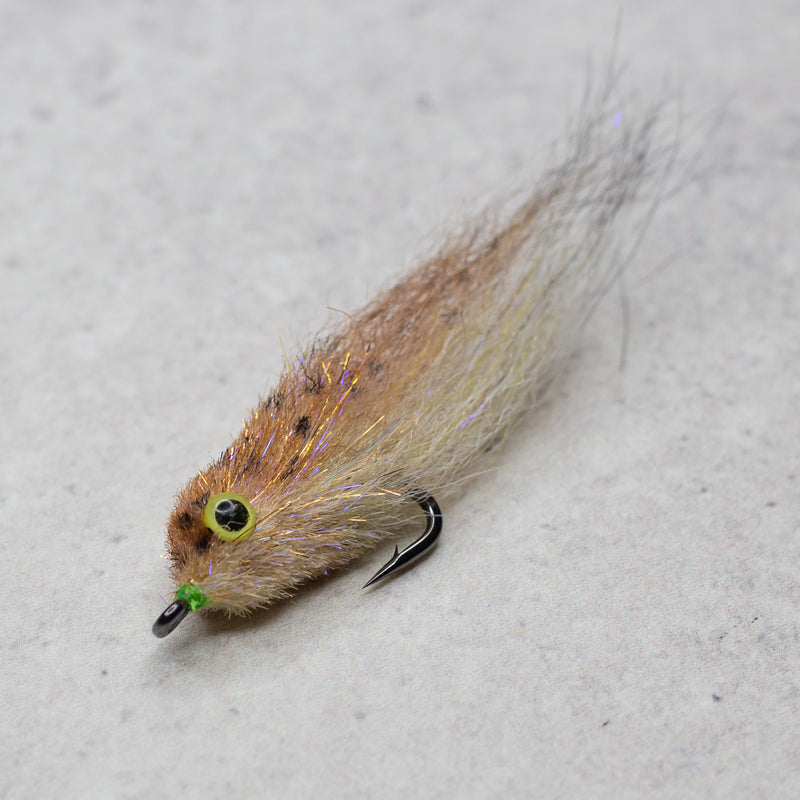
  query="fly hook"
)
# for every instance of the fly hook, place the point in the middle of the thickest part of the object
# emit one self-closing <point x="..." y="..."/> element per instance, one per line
<point x="171" y="618"/>
<point x="418" y="547"/>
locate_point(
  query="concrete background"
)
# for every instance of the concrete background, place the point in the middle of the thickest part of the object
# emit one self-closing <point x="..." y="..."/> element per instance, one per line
<point x="612" y="612"/>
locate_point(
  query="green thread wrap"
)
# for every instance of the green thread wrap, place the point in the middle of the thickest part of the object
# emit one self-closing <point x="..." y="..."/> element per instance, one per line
<point x="191" y="593"/>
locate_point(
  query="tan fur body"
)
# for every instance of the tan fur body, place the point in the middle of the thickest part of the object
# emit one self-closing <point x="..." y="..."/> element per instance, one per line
<point x="412" y="389"/>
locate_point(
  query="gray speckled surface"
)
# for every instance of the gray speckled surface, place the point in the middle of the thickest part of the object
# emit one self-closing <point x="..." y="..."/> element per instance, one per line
<point x="613" y="612"/>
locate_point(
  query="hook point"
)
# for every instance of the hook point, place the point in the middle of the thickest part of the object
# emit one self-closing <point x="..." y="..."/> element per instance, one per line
<point x="417" y="548"/>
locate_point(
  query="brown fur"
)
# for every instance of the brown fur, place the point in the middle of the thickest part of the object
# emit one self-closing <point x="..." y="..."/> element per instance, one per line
<point x="409" y="391"/>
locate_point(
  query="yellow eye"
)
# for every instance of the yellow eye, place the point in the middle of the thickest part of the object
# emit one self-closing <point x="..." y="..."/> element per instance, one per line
<point x="230" y="516"/>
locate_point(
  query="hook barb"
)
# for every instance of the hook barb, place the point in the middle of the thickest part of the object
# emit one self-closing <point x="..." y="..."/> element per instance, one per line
<point x="418" y="547"/>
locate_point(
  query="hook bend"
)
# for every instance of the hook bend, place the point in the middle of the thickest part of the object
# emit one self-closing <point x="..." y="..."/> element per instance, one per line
<point x="418" y="547"/>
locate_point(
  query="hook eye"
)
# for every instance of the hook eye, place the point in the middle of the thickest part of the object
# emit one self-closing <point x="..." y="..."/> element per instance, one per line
<point x="171" y="617"/>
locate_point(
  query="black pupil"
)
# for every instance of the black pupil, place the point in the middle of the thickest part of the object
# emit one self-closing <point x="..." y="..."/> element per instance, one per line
<point x="231" y="515"/>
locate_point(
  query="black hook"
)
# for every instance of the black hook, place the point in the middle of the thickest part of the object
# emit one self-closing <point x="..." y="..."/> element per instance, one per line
<point x="171" y="618"/>
<point x="176" y="611"/>
<point x="418" y="547"/>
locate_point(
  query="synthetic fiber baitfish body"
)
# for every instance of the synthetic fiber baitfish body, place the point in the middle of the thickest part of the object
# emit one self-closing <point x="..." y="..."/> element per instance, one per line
<point x="394" y="407"/>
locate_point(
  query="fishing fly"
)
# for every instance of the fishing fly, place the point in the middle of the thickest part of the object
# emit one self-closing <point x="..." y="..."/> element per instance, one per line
<point x="381" y="416"/>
